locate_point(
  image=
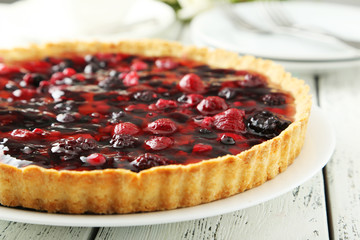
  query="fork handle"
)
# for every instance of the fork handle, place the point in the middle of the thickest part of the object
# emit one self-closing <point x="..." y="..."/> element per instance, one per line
<point x="319" y="36"/>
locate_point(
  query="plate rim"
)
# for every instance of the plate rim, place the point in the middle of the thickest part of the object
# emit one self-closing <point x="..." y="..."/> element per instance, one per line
<point x="215" y="43"/>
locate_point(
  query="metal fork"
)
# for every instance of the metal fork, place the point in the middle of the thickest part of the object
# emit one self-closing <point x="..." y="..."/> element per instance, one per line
<point x="239" y="22"/>
<point x="284" y="21"/>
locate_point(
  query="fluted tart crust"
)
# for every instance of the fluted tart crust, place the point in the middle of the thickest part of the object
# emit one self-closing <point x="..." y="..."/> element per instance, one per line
<point x="166" y="187"/>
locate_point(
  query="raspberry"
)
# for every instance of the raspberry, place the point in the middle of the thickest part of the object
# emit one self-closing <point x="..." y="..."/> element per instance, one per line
<point x="68" y="72"/>
<point x="207" y="122"/>
<point x="145" y="96"/>
<point x="200" y="148"/>
<point x="5" y="70"/>
<point x="230" y="120"/>
<point x="131" y="79"/>
<point x="139" y="66"/>
<point x="212" y="105"/>
<point x="24" y="93"/>
<point x="191" y="99"/>
<point x="163" y="104"/>
<point x="162" y="126"/>
<point x="266" y="124"/>
<point x="166" y="63"/>
<point x="126" y="128"/>
<point x="38" y="131"/>
<point x="148" y="160"/>
<point x="96" y="159"/>
<point x="72" y="148"/>
<point x="22" y="133"/>
<point x="123" y="141"/>
<point x="159" y="143"/>
<point x="274" y="99"/>
<point x="38" y="67"/>
<point x="191" y="83"/>
<point x="57" y="77"/>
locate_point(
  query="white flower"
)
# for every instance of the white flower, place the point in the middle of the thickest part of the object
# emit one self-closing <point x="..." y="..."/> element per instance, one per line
<point x="189" y="8"/>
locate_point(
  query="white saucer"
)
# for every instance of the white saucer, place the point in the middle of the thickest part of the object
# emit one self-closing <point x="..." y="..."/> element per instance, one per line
<point x="213" y="28"/>
<point x="21" y="23"/>
<point x="318" y="148"/>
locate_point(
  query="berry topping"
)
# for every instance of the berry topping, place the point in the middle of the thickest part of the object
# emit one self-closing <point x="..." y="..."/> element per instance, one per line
<point x="200" y="148"/>
<point x="96" y="159"/>
<point x="65" y="118"/>
<point x="252" y="81"/>
<point x="123" y="141"/>
<point x="166" y="63"/>
<point x="34" y="79"/>
<point x="148" y="160"/>
<point x="5" y="70"/>
<point x="274" y="99"/>
<point x="68" y="72"/>
<point x="72" y="148"/>
<point x="145" y="96"/>
<point x="230" y="120"/>
<point x="227" y="140"/>
<point x="266" y="124"/>
<point x="126" y="128"/>
<point x="159" y="143"/>
<point x="227" y="93"/>
<point x="131" y="79"/>
<point x="212" y="105"/>
<point x="114" y="110"/>
<point x="162" y="126"/>
<point x="191" y="99"/>
<point x="22" y="133"/>
<point x="139" y="66"/>
<point x="163" y="104"/>
<point x="191" y="83"/>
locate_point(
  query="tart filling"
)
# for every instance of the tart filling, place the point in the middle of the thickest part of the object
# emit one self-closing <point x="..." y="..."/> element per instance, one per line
<point x="127" y="111"/>
<point x="80" y="116"/>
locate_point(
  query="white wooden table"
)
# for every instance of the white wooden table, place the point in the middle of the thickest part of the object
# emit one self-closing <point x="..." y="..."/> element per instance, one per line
<point x="325" y="207"/>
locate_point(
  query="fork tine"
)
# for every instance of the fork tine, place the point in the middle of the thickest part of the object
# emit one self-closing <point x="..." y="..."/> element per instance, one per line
<point x="275" y="11"/>
<point x="239" y="21"/>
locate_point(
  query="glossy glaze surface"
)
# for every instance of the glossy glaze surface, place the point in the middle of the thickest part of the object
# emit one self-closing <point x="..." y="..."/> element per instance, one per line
<point x="122" y="111"/>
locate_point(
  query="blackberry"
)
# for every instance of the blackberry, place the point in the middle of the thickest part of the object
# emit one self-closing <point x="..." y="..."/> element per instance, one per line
<point x="274" y="99"/>
<point x="72" y="148"/>
<point x="266" y="124"/>
<point x="110" y="83"/>
<point x="148" y="160"/>
<point x="123" y="141"/>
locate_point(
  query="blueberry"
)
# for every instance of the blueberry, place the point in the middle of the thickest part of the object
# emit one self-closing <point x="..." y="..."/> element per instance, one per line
<point x="227" y="93"/>
<point x="266" y="124"/>
<point x="227" y="140"/>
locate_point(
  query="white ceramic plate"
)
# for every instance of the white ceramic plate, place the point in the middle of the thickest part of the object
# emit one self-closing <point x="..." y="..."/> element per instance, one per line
<point x="36" y="21"/>
<point x="213" y="28"/>
<point x="318" y="148"/>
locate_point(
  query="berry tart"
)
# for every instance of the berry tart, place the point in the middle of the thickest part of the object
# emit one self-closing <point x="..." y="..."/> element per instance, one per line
<point x="140" y="126"/>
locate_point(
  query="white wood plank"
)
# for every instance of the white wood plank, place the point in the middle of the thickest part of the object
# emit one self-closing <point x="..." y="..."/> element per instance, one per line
<point x="340" y="97"/>
<point x="13" y="230"/>
<point x="300" y="214"/>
